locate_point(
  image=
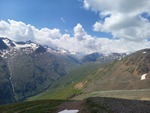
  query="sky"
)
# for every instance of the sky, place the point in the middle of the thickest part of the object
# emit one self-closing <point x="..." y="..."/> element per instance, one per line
<point x="83" y="26"/>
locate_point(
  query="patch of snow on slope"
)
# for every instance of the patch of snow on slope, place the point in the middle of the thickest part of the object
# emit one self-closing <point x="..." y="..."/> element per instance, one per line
<point x="69" y="111"/>
<point x="32" y="45"/>
<point x="4" y="53"/>
<point x="6" y="41"/>
<point x="143" y="77"/>
<point x="73" y="53"/>
<point x="120" y="58"/>
<point x="144" y="52"/>
<point x="63" y="51"/>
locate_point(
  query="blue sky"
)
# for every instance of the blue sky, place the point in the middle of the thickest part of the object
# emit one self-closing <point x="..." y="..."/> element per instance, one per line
<point x="50" y="13"/>
<point x="93" y="25"/>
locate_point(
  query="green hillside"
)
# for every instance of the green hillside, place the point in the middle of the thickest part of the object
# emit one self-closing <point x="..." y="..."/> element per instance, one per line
<point x="44" y="106"/>
<point x="64" y="88"/>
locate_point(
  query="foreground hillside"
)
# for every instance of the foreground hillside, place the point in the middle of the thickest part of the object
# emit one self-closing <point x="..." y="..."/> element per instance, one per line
<point x="90" y="105"/>
<point x="45" y="106"/>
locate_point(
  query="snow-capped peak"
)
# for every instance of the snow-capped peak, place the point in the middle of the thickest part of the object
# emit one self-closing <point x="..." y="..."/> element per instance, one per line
<point x="19" y="45"/>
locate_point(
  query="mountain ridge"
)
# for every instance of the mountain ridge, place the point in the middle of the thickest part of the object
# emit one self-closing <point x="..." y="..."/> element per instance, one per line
<point x="33" y="68"/>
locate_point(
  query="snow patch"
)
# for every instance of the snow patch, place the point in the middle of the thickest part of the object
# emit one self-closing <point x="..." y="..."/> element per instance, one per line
<point x="69" y="111"/>
<point x="4" y="53"/>
<point x="73" y="53"/>
<point x="144" y="52"/>
<point x="32" y="45"/>
<point x="120" y="58"/>
<point x="143" y="77"/>
<point x="6" y="41"/>
<point x="63" y="51"/>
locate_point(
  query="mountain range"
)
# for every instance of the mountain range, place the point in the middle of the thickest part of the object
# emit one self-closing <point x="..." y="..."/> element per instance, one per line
<point x="28" y="68"/>
<point x="54" y="79"/>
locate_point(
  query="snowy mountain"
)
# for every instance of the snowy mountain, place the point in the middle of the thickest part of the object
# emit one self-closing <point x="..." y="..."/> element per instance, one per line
<point x="103" y="58"/>
<point x="8" y="46"/>
<point x="27" y="68"/>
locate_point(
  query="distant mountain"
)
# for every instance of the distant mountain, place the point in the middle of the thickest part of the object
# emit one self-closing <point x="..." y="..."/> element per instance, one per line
<point x="92" y="57"/>
<point x="27" y="68"/>
<point x="102" y="58"/>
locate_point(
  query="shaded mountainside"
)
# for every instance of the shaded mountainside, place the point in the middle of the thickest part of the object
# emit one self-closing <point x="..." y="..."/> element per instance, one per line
<point x="27" y="69"/>
<point x="6" y="92"/>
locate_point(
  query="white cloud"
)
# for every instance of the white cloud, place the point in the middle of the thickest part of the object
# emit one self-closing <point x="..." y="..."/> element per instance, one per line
<point x="97" y="26"/>
<point x="16" y="30"/>
<point x="79" y="32"/>
<point x="122" y="18"/>
<point x="81" y="41"/>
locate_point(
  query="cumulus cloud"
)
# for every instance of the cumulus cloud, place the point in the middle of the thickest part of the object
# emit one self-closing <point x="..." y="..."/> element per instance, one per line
<point x="80" y="41"/>
<point x="79" y="32"/>
<point x="122" y="18"/>
<point x="16" y="30"/>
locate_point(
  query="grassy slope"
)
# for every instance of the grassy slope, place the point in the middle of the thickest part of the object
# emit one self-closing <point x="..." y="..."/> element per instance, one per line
<point x="64" y="87"/>
<point x="44" y="106"/>
<point x="141" y="94"/>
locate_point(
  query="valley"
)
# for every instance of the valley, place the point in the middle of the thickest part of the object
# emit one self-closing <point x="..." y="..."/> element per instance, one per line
<point x="53" y="80"/>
